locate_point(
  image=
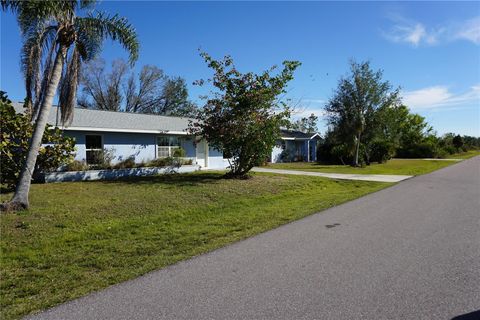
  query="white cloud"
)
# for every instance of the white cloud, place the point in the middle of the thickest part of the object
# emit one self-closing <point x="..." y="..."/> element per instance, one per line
<point x="440" y="97"/>
<point x="416" y="33"/>
<point x="470" y="31"/>
<point x="317" y="101"/>
<point x="408" y="33"/>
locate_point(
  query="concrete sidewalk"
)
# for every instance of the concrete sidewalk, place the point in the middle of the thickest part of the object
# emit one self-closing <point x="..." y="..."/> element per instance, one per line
<point x="431" y="159"/>
<point x="343" y="176"/>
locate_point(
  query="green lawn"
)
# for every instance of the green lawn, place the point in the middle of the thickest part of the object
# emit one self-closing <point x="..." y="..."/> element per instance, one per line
<point x="395" y="166"/>
<point x="81" y="237"/>
<point x="465" y="155"/>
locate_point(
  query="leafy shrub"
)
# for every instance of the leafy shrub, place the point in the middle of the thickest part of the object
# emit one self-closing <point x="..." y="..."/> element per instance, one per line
<point x="161" y="162"/>
<point x="285" y="155"/>
<point x="245" y="113"/>
<point x="341" y="154"/>
<point x="103" y="159"/>
<point x="16" y="131"/>
<point x="426" y="149"/>
<point x="126" y="163"/>
<point x="442" y="153"/>
<point x="324" y="153"/>
<point x="448" y="150"/>
<point x="381" y="151"/>
<point x="179" y="153"/>
<point x="168" y="162"/>
<point x="76" y="165"/>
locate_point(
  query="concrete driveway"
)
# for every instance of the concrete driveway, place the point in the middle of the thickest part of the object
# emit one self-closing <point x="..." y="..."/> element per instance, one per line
<point x="341" y="176"/>
<point x="411" y="251"/>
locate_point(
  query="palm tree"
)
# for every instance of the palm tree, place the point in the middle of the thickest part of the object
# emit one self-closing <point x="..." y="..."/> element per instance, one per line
<point x="55" y="42"/>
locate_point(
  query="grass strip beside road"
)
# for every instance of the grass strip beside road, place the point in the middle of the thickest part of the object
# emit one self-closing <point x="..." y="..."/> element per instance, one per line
<point x="84" y="236"/>
<point x="410" y="167"/>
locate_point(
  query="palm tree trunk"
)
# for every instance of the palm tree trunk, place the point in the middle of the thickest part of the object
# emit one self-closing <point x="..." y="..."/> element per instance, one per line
<point x="20" y="198"/>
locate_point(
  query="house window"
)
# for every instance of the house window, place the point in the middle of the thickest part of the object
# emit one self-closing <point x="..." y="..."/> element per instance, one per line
<point x="166" y="146"/>
<point x="94" y="148"/>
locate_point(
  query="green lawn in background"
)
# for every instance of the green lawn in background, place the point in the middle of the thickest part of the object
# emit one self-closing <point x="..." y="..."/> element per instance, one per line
<point x="411" y="167"/>
<point x="465" y="155"/>
<point x="84" y="236"/>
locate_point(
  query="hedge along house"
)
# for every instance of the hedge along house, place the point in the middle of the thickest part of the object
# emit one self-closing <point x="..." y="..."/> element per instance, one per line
<point x="295" y="146"/>
<point x="132" y="135"/>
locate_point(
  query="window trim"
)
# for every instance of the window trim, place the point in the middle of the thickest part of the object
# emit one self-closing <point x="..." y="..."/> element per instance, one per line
<point x="171" y="148"/>
<point x="93" y="149"/>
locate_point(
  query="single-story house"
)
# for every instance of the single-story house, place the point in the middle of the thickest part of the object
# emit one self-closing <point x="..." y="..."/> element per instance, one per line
<point x="145" y="137"/>
<point x="295" y="146"/>
<point x="140" y="136"/>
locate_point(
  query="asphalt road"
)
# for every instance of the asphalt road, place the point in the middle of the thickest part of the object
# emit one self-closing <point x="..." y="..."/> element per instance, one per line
<point x="411" y="251"/>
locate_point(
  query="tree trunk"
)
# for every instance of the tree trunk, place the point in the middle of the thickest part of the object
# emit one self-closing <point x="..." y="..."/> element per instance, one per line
<point x="20" y="198"/>
<point x="357" y="151"/>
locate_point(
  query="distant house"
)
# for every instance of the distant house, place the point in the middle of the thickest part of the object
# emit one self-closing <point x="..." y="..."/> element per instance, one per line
<point x="295" y="146"/>
<point x="140" y="136"/>
<point x="146" y="137"/>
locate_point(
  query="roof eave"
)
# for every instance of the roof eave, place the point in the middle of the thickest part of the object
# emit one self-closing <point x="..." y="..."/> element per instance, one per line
<point x="123" y="130"/>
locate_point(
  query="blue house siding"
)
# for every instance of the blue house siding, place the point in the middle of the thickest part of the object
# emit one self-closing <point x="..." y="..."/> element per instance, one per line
<point x="188" y="144"/>
<point x="124" y="145"/>
<point x="141" y="146"/>
<point x="288" y="150"/>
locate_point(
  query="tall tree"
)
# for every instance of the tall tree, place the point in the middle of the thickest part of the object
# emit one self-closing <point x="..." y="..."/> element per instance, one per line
<point x="148" y="95"/>
<point x="351" y="111"/>
<point x="53" y="32"/>
<point x="244" y="114"/>
<point x="174" y="99"/>
<point x="306" y="124"/>
<point x="150" y="92"/>
<point x="102" y="91"/>
<point x="458" y="142"/>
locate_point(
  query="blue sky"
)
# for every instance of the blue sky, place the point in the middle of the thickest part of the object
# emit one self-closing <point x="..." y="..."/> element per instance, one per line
<point x="430" y="49"/>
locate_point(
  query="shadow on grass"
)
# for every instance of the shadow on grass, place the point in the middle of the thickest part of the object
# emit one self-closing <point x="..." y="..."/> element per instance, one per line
<point x="178" y="179"/>
<point x="5" y="189"/>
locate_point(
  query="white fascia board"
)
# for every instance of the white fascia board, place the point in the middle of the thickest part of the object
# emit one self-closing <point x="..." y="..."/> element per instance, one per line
<point x="123" y="130"/>
<point x="296" y="139"/>
<point x="300" y="139"/>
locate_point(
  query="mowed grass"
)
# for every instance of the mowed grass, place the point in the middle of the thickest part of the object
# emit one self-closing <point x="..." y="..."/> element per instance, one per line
<point x="465" y="155"/>
<point x="84" y="236"/>
<point x="411" y="167"/>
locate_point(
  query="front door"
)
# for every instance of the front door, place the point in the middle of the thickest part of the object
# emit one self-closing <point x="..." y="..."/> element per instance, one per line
<point x="202" y="153"/>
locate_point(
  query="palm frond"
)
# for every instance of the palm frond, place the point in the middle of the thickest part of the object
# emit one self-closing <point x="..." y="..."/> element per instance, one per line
<point x="31" y="11"/>
<point x="46" y="76"/>
<point x="68" y="90"/>
<point x="39" y="38"/>
<point x="84" y="4"/>
<point x="11" y="5"/>
<point x="113" y="27"/>
<point x="89" y="42"/>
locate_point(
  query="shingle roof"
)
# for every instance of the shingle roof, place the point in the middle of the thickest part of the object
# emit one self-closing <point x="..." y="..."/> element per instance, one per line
<point x="294" y="134"/>
<point x="97" y="120"/>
